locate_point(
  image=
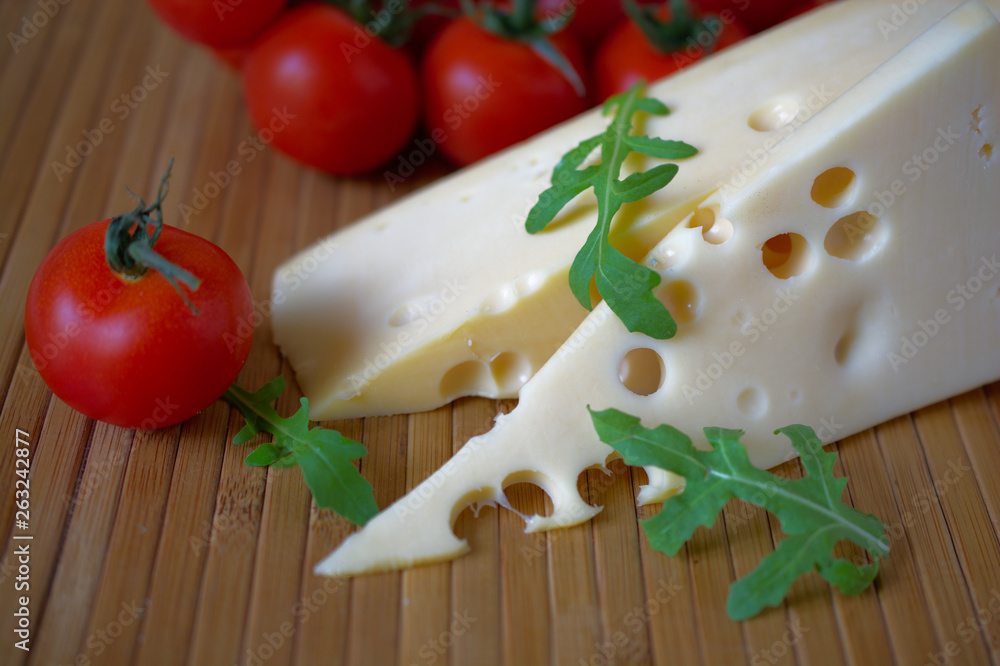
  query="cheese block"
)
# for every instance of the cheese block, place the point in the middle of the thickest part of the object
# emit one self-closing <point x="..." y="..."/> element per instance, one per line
<point x="444" y="294"/>
<point x="854" y="278"/>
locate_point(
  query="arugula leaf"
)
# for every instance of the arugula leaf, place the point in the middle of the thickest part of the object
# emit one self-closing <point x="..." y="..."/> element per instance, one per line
<point x="624" y="284"/>
<point x="323" y="455"/>
<point x="810" y="509"/>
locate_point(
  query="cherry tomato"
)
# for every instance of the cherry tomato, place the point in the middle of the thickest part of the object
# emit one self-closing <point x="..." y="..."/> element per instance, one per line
<point x="483" y="93"/>
<point x="627" y="56"/>
<point x="802" y="8"/>
<point x="754" y="15"/>
<point x="334" y="97"/>
<point x="592" y="19"/>
<point x="428" y="26"/>
<point x="233" y="57"/>
<point x="131" y="352"/>
<point x="218" y="23"/>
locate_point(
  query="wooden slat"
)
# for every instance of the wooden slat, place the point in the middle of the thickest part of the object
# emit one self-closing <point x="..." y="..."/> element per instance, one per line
<point x="39" y="141"/>
<point x="427" y="626"/>
<point x="524" y="582"/>
<point x="19" y="63"/>
<point x="374" y="616"/>
<point x="121" y="599"/>
<point x="981" y="436"/>
<point x="863" y="630"/>
<point x="526" y="631"/>
<point x="933" y="549"/>
<point x="968" y="520"/>
<point x="710" y="560"/>
<point x="673" y="627"/>
<point x="901" y="597"/>
<point x="475" y="580"/>
<point x="58" y="448"/>
<point x="62" y="632"/>
<point x="624" y="608"/>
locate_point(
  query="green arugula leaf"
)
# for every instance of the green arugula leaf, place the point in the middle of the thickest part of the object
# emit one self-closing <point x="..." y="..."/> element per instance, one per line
<point x="623" y="283"/>
<point x="323" y="455"/>
<point x="810" y="509"/>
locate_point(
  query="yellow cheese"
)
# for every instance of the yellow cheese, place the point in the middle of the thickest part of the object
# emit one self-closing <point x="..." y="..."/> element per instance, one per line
<point x="853" y="278"/>
<point x="444" y="294"/>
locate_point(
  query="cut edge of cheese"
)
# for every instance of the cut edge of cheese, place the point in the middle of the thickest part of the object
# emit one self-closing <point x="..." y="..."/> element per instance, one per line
<point x="832" y="312"/>
<point x="384" y="318"/>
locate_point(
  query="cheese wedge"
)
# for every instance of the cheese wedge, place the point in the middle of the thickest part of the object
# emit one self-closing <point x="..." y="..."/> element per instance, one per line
<point x="854" y="278"/>
<point x="444" y="294"/>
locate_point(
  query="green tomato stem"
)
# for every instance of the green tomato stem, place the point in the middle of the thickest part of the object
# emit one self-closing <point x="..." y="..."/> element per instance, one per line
<point x="672" y="35"/>
<point x="129" y="241"/>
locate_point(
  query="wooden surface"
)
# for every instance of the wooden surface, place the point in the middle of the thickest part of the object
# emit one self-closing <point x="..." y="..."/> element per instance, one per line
<point x="163" y="548"/>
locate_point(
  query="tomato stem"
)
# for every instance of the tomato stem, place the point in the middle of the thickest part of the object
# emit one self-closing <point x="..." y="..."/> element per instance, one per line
<point x="129" y="241"/>
<point x="392" y="24"/>
<point x="521" y="15"/>
<point x="673" y="34"/>
<point x="518" y="23"/>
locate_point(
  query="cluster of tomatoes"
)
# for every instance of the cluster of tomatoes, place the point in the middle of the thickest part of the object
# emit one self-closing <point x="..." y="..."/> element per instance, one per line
<point x="357" y="79"/>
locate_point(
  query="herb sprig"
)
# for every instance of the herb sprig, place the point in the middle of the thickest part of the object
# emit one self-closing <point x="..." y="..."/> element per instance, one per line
<point x="624" y="284"/>
<point x="810" y="509"/>
<point x="323" y="455"/>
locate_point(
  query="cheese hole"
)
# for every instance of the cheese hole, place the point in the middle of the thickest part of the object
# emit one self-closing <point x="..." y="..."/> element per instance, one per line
<point x="466" y="378"/>
<point x="681" y="299"/>
<point x="525" y="496"/>
<point x="666" y="257"/>
<point x="641" y="371"/>
<point x="474" y="501"/>
<point x="715" y="230"/>
<point x="752" y="402"/>
<point x="404" y="314"/>
<point x="855" y="236"/>
<point x="773" y="114"/>
<point x="786" y="255"/>
<point x="834" y="187"/>
<point x="510" y="371"/>
<point x="845" y="347"/>
<point x="499" y="299"/>
<point x="529" y="283"/>
<point x="740" y="320"/>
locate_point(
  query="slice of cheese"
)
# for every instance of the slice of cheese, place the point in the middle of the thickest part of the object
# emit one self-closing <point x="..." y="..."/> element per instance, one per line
<point x="854" y="278"/>
<point x="444" y="294"/>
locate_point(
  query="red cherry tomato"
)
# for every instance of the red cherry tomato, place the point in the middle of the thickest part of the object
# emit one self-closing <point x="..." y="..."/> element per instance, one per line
<point x="233" y="57"/>
<point x="627" y="56"/>
<point x="802" y="8"/>
<point x="218" y="23"/>
<point x="483" y="93"/>
<point x="754" y="15"/>
<point x="131" y="352"/>
<point x="334" y="97"/>
<point x="592" y="20"/>
<point x="428" y="26"/>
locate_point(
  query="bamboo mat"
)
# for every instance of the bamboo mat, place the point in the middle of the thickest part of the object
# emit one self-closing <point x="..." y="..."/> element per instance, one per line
<point x="162" y="547"/>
